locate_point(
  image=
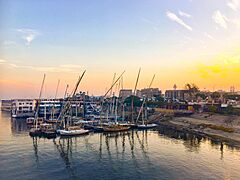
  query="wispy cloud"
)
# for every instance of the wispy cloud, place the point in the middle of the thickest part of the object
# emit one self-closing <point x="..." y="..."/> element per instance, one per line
<point x="220" y="19"/>
<point x="223" y="21"/>
<point x="67" y="68"/>
<point x="178" y="20"/>
<point x="2" y="61"/>
<point x="184" y="14"/>
<point x="28" y="35"/>
<point x="208" y="35"/>
<point x="154" y="25"/>
<point x="9" y="43"/>
<point x="234" y="4"/>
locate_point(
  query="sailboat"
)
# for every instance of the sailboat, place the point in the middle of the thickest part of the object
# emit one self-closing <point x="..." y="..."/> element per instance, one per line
<point x="115" y="127"/>
<point x="68" y="129"/>
<point x="144" y="124"/>
<point x="36" y="130"/>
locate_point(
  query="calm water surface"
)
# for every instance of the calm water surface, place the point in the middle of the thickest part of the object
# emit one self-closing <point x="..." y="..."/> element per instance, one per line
<point x="132" y="155"/>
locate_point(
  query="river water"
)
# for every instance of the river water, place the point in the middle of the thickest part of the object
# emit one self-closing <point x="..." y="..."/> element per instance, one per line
<point x="162" y="154"/>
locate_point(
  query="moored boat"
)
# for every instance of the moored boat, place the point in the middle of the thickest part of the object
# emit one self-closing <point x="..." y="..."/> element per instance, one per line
<point x="48" y="131"/>
<point x="73" y="131"/>
<point x="146" y="126"/>
<point x="115" y="128"/>
<point x="35" y="132"/>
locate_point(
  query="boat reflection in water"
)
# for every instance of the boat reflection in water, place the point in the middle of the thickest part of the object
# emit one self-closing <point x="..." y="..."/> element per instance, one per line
<point x="148" y="154"/>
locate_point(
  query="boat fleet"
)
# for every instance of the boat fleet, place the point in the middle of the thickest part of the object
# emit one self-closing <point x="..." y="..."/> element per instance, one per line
<point x="110" y="117"/>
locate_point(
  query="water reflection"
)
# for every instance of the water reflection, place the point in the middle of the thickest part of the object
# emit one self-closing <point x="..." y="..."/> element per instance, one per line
<point x="18" y="125"/>
<point x="152" y="154"/>
<point x="64" y="147"/>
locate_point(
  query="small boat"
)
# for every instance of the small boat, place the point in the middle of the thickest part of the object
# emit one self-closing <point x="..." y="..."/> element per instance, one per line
<point x="48" y="131"/>
<point x="97" y="128"/>
<point x="146" y="126"/>
<point x="73" y="131"/>
<point x="35" y="132"/>
<point x="30" y="121"/>
<point x="115" y="128"/>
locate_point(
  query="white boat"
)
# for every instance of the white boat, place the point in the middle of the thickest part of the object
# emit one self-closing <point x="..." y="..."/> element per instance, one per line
<point x="73" y="132"/>
<point x="146" y="126"/>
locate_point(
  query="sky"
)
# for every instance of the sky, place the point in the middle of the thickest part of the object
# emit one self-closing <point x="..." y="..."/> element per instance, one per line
<point x="181" y="41"/>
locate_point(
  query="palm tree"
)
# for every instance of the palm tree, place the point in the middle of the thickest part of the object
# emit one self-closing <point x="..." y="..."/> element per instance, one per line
<point x="192" y="89"/>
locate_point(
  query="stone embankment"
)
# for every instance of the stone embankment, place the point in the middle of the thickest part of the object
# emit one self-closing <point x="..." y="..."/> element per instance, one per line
<point x="217" y="127"/>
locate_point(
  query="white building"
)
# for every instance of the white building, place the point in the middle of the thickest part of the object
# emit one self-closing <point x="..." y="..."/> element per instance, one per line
<point x="23" y="107"/>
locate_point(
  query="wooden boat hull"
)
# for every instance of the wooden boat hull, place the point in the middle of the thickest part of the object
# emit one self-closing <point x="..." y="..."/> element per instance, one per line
<point x="35" y="132"/>
<point x="115" y="129"/>
<point x="98" y="129"/>
<point x="49" y="134"/>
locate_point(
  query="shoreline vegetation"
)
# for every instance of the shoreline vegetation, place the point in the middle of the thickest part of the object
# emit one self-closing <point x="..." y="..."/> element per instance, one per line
<point x="222" y="128"/>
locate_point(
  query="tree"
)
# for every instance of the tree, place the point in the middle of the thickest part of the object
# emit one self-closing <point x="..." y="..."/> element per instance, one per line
<point x="215" y="95"/>
<point x="192" y="89"/>
<point x="201" y="95"/>
<point x="136" y="101"/>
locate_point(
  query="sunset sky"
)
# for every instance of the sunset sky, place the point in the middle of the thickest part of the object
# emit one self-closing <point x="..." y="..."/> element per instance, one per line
<point x="178" y="40"/>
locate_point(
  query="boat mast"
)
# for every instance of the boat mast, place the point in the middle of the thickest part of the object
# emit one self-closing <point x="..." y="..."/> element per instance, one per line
<point x="123" y="112"/>
<point x="116" y="106"/>
<point x="144" y="100"/>
<point x="53" y="107"/>
<point x="65" y="92"/>
<point x="134" y="92"/>
<point x="107" y="94"/>
<point x="66" y="107"/>
<point x="112" y="94"/>
<point x="39" y="101"/>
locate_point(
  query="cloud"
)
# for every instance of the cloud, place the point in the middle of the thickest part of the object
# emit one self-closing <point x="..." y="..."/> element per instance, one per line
<point x="176" y="19"/>
<point x="2" y="61"/>
<point x="181" y="13"/>
<point x="61" y="68"/>
<point x="9" y="43"/>
<point x="154" y="25"/>
<point x="220" y="19"/>
<point x="208" y="35"/>
<point x="234" y="4"/>
<point x="28" y="35"/>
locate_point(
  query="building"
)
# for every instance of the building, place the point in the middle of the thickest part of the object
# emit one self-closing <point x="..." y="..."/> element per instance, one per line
<point x="23" y="107"/>
<point x="150" y="92"/>
<point x="181" y="95"/>
<point x="50" y="107"/>
<point x="6" y="105"/>
<point x="124" y="93"/>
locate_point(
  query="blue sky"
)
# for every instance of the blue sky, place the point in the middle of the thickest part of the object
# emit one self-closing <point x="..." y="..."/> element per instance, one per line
<point x="60" y="36"/>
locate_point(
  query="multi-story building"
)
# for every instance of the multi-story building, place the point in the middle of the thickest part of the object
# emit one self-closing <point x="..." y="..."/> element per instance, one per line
<point x="150" y="92"/>
<point x="50" y="107"/>
<point x="181" y="95"/>
<point x="124" y="93"/>
<point x="6" y="105"/>
<point x="23" y="107"/>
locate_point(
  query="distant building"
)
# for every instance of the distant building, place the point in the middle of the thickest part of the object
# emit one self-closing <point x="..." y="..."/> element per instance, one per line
<point x="150" y="92"/>
<point x="139" y="93"/>
<point x="48" y="107"/>
<point x="177" y="94"/>
<point x="124" y="93"/>
<point x="23" y="107"/>
<point x="6" y="105"/>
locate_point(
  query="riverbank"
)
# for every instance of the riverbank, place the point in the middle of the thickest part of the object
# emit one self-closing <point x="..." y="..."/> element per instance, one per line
<point x="220" y="128"/>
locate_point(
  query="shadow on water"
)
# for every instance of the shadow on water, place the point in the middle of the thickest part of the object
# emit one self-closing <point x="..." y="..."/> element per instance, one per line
<point x="192" y="142"/>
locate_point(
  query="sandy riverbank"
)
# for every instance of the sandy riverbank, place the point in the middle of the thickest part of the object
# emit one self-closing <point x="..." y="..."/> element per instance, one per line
<point x="218" y="127"/>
